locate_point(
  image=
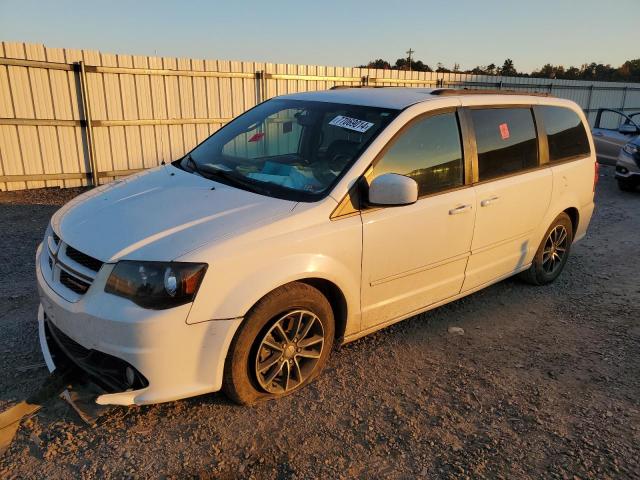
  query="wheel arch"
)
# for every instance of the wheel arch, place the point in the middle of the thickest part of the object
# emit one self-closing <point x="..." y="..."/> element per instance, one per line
<point x="334" y="295"/>
<point x="571" y="211"/>
<point x="574" y="215"/>
<point x="336" y="299"/>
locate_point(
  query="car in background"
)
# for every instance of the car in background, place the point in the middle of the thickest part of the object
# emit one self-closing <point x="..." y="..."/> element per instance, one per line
<point x="628" y="166"/>
<point x="612" y="130"/>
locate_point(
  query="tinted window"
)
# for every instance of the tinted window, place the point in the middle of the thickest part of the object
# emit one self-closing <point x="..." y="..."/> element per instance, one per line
<point x="506" y="139"/>
<point x="429" y="151"/>
<point x="565" y="133"/>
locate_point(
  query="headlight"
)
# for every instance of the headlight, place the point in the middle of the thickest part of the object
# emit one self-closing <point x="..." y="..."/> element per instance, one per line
<point x="631" y="149"/>
<point x="156" y="285"/>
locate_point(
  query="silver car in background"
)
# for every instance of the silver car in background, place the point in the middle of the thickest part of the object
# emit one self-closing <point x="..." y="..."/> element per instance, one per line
<point x="612" y="130"/>
<point x="628" y="166"/>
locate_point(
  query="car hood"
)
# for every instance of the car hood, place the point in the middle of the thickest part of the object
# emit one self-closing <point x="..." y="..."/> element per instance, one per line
<point x="160" y="214"/>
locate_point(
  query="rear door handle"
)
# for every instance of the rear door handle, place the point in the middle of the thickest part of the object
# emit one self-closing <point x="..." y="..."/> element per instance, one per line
<point x="460" y="209"/>
<point x="597" y="134"/>
<point x="488" y="201"/>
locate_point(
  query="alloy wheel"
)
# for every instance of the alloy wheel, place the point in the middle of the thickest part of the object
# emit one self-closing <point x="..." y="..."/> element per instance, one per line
<point x="289" y="351"/>
<point x="555" y="248"/>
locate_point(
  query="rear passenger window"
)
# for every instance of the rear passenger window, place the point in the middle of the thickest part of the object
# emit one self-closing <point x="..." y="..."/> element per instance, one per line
<point x="430" y="152"/>
<point x="565" y="133"/>
<point x="506" y="139"/>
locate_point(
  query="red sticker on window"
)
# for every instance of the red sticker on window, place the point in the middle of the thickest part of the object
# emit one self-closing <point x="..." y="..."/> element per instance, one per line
<point x="257" y="137"/>
<point x="504" y="131"/>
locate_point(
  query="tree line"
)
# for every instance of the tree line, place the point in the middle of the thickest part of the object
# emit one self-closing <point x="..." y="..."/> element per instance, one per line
<point x="629" y="71"/>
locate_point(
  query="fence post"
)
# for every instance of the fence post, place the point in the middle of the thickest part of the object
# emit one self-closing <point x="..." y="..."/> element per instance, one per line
<point x="259" y="90"/>
<point x="265" y="77"/>
<point x="261" y="79"/>
<point x="624" y="98"/>
<point x="589" y="99"/>
<point x="86" y="107"/>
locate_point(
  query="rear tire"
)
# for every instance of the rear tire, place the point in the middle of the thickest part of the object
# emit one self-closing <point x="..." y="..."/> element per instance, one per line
<point x="626" y="185"/>
<point x="282" y="345"/>
<point x="552" y="254"/>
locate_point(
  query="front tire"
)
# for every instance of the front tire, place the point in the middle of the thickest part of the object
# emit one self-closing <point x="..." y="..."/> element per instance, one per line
<point x="283" y="344"/>
<point x="552" y="255"/>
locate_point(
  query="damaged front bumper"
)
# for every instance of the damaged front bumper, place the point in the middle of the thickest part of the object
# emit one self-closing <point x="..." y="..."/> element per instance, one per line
<point x="106" y="335"/>
<point x="108" y="372"/>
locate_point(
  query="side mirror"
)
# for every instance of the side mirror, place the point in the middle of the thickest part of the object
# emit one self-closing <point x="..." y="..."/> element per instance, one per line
<point x="628" y="129"/>
<point x="392" y="189"/>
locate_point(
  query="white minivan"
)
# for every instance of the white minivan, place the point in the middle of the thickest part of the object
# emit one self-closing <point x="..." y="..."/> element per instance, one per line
<point x="308" y="221"/>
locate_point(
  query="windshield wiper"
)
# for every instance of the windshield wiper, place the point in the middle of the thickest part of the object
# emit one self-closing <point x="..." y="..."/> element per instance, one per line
<point x="212" y="173"/>
<point x="194" y="166"/>
<point x="235" y="180"/>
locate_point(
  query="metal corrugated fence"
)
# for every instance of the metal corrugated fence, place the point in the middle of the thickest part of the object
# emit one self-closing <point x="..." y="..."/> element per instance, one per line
<point x="75" y="117"/>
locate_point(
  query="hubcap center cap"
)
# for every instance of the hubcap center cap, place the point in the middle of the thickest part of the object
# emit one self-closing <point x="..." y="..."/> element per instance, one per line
<point x="289" y="352"/>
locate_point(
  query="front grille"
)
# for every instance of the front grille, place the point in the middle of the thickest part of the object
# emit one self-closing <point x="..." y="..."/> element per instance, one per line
<point x="106" y="370"/>
<point x="68" y="271"/>
<point x="83" y="259"/>
<point x="73" y="283"/>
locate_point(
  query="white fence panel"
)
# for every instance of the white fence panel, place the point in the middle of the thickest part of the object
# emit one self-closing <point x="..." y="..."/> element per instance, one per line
<point x="145" y="110"/>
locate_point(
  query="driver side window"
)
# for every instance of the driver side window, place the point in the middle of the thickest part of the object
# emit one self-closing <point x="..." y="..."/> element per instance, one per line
<point x="610" y="120"/>
<point x="430" y="152"/>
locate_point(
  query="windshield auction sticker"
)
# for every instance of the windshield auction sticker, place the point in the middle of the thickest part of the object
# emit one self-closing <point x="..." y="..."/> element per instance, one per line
<point x="351" y="123"/>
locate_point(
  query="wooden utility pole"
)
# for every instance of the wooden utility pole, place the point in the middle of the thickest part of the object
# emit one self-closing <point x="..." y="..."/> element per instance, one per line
<point x="410" y="52"/>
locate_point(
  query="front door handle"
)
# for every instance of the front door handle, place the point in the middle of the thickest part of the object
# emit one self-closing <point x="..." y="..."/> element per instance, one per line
<point x="460" y="209"/>
<point x="597" y="134"/>
<point x="488" y="201"/>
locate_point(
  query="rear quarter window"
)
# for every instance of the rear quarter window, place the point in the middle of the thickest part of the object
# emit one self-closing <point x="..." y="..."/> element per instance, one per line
<point x="506" y="140"/>
<point x="566" y="135"/>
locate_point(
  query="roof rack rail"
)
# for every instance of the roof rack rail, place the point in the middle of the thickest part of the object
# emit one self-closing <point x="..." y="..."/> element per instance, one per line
<point x="342" y="87"/>
<point x="481" y="91"/>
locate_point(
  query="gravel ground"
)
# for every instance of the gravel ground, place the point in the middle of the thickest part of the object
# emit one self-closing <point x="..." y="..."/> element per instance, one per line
<point x="543" y="383"/>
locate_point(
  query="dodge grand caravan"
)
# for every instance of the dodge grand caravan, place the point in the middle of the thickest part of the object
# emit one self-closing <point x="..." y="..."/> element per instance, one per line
<point x="310" y="220"/>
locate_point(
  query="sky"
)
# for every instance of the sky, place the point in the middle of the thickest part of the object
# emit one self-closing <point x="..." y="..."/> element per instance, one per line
<point x="333" y="32"/>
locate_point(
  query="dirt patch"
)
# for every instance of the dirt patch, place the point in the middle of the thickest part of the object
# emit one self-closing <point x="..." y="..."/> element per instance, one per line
<point x="543" y="383"/>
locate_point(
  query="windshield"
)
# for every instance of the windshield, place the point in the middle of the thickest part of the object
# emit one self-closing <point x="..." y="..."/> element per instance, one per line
<point x="291" y="149"/>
